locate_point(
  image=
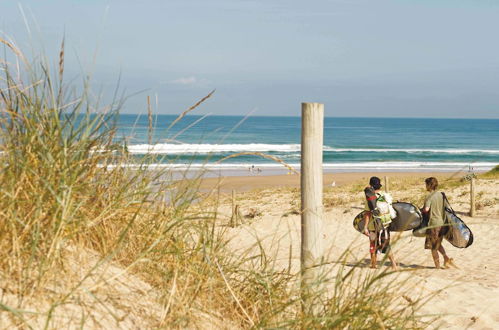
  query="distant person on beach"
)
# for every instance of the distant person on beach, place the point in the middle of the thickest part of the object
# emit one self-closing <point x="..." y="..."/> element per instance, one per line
<point x="377" y="219"/>
<point x="433" y="210"/>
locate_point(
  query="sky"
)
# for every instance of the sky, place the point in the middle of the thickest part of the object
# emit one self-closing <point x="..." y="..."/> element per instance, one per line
<point x="419" y="58"/>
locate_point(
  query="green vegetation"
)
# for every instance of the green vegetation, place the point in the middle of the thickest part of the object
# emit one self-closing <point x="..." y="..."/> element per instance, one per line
<point x="66" y="192"/>
<point x="493" y="173"/>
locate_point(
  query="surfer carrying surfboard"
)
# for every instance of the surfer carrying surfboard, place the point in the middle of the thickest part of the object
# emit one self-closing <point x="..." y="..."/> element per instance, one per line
<point x="378" y="216"/>
<point x="434" y="209"/>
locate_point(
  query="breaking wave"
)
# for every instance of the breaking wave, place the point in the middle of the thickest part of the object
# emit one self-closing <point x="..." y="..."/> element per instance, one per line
<point x="171" y="148"/>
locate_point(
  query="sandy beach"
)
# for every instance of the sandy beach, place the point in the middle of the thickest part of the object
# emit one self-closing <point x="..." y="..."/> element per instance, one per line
<point x="467" y="297"/>
<point x="262" y="181"/>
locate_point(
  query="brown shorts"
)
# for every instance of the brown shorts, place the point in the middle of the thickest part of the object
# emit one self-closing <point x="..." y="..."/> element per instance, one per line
<point x="434" y="237"/>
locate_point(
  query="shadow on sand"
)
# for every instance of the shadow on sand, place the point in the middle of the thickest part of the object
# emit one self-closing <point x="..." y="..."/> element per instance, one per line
<point x="366" y="263"/>
<point x="462" y="213"/>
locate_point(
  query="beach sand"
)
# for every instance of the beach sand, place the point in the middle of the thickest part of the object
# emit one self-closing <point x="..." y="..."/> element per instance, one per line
<point x="260" y="181"/>
<point x="467" y="297"/>
<point x="464" y="297"/>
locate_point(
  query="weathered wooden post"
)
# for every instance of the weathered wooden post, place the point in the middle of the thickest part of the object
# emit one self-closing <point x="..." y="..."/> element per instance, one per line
<point x="234" y="221"/>
<point x="472" y="197"/>
<point x="386" y="184"/>
<point x="312" y="228"/>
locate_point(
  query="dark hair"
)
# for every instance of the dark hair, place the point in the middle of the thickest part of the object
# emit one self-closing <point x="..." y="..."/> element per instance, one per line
<point x="431" y="183"/>
<point x="375" y="182"/>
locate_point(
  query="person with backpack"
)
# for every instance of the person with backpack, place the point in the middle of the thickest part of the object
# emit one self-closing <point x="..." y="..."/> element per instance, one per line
<point x="378" y="216"/>
<point x="434" y="211"/>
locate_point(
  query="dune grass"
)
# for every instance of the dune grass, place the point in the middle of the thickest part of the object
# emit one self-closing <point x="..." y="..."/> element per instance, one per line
<point x="492" y="174"/>
<point x="66" y="188"/>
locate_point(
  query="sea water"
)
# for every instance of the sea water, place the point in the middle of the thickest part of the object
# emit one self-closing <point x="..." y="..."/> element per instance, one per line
<point x="350" y="144"/>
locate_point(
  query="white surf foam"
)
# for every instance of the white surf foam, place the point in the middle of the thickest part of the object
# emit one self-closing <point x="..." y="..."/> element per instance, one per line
<point x="170" y="148"/>
<point x="363" y="166"/>
<point x="444" y="151"/>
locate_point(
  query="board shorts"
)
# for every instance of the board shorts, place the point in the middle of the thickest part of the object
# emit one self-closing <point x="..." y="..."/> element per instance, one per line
<point x="434" y="237"/>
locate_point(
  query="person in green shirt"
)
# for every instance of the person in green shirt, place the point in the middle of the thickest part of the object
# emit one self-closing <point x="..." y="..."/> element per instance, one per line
<point x="377" y="220"/>
<point x="434" y="210"/>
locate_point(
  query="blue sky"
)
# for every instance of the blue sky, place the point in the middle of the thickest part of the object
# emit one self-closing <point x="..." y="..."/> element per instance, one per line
<point x="437" y="58"/>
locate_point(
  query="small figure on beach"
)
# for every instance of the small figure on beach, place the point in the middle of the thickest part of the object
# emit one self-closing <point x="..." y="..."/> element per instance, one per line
<point x="377" y="219"/>
<point x="434" y="211"/>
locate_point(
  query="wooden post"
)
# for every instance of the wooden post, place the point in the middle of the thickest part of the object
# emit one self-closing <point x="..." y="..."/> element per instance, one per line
<point x="312" y="228"/>
<point x="386" y="184"/>
<point x="472" y="197"/>
<point x="236" y="219"/>
<point x="233" y="218"/>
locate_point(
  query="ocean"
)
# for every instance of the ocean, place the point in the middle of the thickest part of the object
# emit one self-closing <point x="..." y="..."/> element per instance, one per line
<point x="350" y="144"/>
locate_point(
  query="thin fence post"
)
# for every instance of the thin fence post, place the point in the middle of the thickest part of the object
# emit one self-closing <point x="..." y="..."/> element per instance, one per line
<point x="236" y="219"/>
<point x="312" y="227"/>
<point x="472" y="197"/>
<point x="387" y="189"/>
<point x="233" y="218"/>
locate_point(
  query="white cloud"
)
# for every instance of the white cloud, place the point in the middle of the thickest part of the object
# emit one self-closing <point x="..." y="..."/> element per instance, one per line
<point x="185" y="81"/>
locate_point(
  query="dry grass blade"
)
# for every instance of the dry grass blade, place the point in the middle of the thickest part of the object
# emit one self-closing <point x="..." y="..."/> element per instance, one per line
<point x="61" y="60"/>
<point x="149" y="119"/>
<point x="186" y="128"/>
<point x="61" y="71"/>
<point x="190" y="109"/>
<point x="14" y="49"/>
<point x="234" y="295"/>
<point x="170" y="298"/>
<point x="261" y="154"/>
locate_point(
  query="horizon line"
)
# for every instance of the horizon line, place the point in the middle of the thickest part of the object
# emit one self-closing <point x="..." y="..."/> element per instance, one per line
<point x="287" y="116"/>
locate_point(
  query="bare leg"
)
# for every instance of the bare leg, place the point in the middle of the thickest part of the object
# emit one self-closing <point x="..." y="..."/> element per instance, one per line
<point x="436" y="246"/>
<point x="442" y="251"/>
<point x="447" y="261"/>
<point x="436" y="259"/>
<point x="391" y="256"/>
<point x="373" y="260"/>
<point x="372" y="250"/>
